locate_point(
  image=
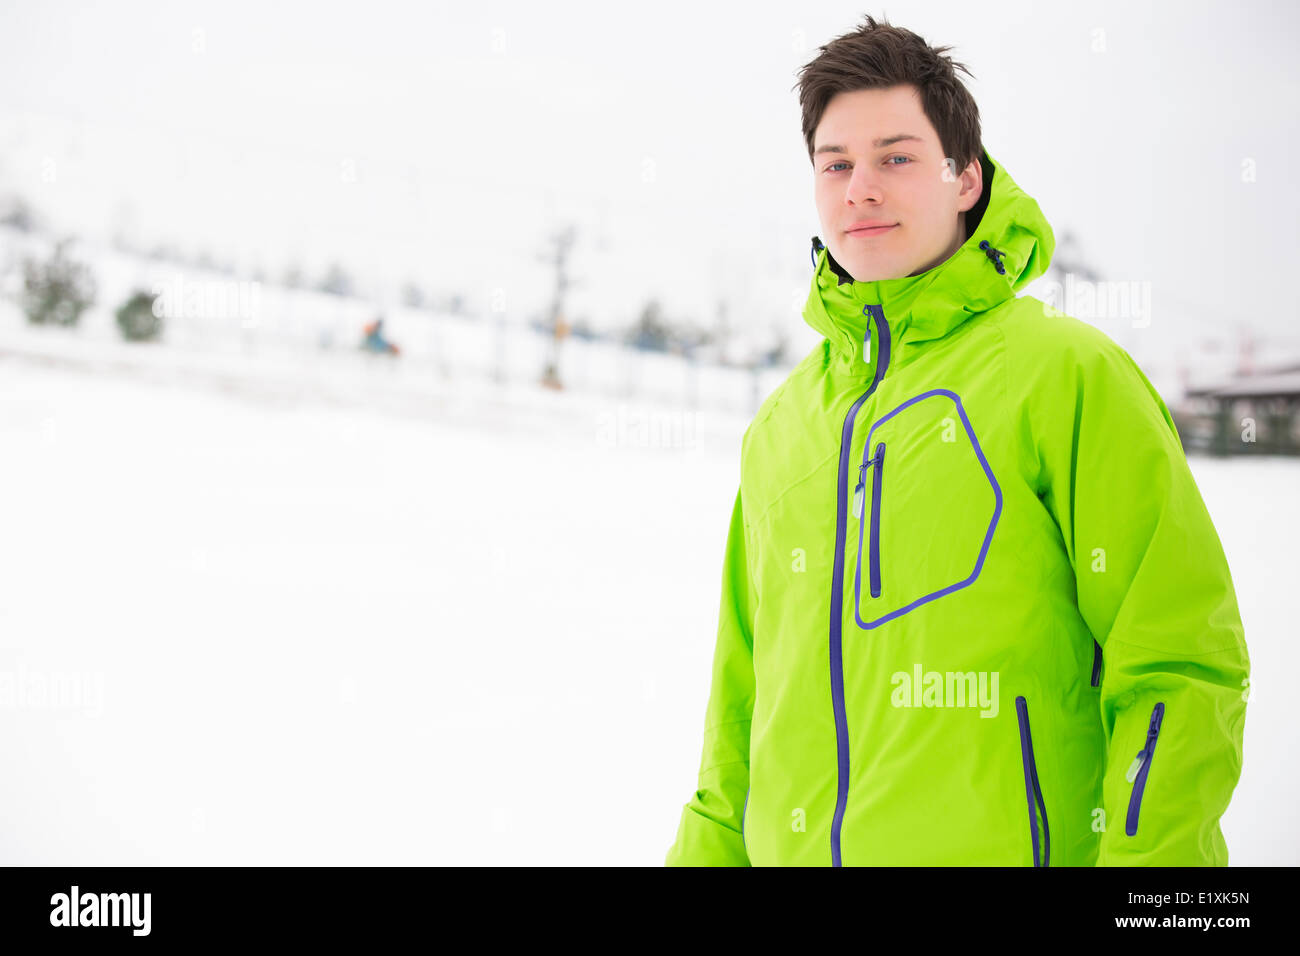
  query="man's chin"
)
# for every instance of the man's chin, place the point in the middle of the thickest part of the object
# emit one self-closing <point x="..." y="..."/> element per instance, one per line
<point x="874" y="272"/>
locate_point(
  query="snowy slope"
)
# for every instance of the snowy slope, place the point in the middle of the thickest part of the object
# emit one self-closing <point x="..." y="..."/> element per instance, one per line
<point x="273" y="604"/>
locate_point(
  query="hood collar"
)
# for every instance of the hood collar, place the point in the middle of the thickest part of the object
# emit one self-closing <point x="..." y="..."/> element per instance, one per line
<point x="1009" y="245"/>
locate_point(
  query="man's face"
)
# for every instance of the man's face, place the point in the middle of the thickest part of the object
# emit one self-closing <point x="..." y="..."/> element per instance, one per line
<point x="878" y="160"/>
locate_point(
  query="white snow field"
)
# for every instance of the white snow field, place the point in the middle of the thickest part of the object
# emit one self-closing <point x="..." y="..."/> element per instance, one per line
<point x="292" y="615"/>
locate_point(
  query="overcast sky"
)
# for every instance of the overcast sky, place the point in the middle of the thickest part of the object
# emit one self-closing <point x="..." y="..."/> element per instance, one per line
<point x="444" y="141"/>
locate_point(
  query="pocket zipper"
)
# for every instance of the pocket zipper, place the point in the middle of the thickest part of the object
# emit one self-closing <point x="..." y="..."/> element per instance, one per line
<point x="1033" y="790"/>
<point x="1140" y="767"/>
<point x="858" y="494"/>
<point x="876" y="481"/>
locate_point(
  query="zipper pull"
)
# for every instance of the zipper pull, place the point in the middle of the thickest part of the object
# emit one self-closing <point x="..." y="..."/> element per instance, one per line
<point x="858" y="491"/>
<point x="1153" y="729"/>
<point x="1136" y="765"/>
<point x="866" y="343"/>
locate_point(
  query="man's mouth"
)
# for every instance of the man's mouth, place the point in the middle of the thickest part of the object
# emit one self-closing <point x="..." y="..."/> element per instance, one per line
<point x="863" y="230"/>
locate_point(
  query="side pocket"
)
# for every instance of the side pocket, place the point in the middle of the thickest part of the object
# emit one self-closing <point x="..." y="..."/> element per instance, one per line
<point x="1033" y="791"/>
<point x="1141" y="766"/>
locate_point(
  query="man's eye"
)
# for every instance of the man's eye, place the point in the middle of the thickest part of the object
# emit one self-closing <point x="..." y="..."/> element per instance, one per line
<point x="833" y="165"/>
<point x="887" y="163"/>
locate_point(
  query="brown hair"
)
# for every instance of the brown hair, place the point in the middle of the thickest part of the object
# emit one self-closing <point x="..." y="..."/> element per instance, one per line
<point x="878" y="55"/>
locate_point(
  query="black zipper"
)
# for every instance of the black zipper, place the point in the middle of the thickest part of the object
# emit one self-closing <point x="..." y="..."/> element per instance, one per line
<point x="837" y="582"/>
<point x="876" y="486"/>
<point x="1033" y="791"/>
<point x="1141" y="766"/>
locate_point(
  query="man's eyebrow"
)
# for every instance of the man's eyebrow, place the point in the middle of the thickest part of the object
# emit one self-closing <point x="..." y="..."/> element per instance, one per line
<point x="878" y="144"/>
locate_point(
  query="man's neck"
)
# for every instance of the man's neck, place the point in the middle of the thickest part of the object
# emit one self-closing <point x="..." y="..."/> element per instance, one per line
<point x="958" y="240"/>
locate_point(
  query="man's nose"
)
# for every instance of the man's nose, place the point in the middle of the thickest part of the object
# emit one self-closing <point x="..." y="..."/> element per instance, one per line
<point x="864" y="186"/>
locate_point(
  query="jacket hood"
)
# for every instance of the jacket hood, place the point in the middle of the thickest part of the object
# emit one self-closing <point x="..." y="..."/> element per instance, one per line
<point x="1010" y="245"/>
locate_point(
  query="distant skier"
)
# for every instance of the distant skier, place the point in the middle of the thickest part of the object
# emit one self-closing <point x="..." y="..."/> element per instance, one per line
<point x="374" y="340"/>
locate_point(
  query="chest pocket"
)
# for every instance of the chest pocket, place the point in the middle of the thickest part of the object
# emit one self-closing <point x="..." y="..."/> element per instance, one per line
<point x="926" y="502"/>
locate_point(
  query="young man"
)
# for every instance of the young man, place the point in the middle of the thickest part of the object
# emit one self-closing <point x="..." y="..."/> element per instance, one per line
<point x="974" y="611"/>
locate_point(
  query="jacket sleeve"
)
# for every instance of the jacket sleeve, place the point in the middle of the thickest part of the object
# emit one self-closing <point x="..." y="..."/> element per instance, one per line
<point x="711" y="829"/>
<point x="1154" y="588"/>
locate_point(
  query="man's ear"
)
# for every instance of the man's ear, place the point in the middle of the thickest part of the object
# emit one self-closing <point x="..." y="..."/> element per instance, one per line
<point x="970" y="186"/>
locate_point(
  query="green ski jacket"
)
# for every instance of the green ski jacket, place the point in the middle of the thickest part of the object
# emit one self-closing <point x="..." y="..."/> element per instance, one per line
<point x="974" y="610"/>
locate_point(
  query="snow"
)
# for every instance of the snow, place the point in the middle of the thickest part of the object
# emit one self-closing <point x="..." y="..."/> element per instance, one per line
<point x="342" y="611"/>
